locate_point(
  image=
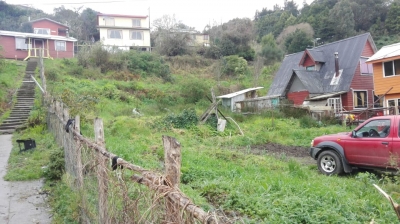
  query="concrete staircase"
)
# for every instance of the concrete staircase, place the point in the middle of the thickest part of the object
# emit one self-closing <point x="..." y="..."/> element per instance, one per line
<point x="25" y="98"/>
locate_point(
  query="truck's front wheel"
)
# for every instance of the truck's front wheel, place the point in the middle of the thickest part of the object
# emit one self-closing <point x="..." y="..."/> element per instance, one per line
<point x="329" y="163"/>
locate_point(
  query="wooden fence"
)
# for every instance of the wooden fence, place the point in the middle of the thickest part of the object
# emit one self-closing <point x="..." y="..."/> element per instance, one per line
<point x="107" y="195"/>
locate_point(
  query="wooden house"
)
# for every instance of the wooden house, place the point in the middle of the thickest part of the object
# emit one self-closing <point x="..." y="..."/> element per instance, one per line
<point x="49" y="36"/>
<point x="333" y="75"/>
<point x="386" y="67"/>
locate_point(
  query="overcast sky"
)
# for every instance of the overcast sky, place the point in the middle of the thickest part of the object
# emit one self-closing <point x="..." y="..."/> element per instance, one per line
<point x="192" y="13"/>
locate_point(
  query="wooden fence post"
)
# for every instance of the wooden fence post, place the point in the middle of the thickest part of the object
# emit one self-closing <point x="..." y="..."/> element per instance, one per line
<point x="172" y="157"/>
<point x="41" y="71"/>
<point x="101" y="172"/>
<point x="66" y="143"/>
<point x="79" y="170"/>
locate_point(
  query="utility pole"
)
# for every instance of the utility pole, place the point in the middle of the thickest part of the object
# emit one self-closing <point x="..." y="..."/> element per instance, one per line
<point x="149" y="30"/>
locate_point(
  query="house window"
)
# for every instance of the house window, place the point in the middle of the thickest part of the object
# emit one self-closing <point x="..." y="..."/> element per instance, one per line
<point x="391" y="68"/>
<point x="136" y="35"/>
<point x="206" y="37"/>
<point x="310" y="68"/>
<point x="136" y="23"/>
<point x="394" y="106"/>
<point x="42" y="31"/>
<point x="109" y="21"/>
<point x="20" y="44"/>
<point x="360" y="99"/>
<point x="378" y="102"/>
<point x="366" y="69"/>
<point x="114" y="34"/>
<point x="60" y="46"/>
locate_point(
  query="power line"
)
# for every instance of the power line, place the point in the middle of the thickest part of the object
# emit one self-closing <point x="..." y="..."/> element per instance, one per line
<point x="80" y="3"/>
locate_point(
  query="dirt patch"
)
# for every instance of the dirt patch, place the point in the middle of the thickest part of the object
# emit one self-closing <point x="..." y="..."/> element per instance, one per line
<point x="299" y="153"/>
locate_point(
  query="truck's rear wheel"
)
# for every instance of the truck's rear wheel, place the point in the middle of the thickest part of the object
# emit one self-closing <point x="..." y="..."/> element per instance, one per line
<point x="329" y="163"/>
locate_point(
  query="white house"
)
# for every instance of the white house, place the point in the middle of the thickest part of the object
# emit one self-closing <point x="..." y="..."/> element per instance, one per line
<point x="124" y="31"/>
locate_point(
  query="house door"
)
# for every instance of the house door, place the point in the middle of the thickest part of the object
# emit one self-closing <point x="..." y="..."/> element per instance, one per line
<point x="336" y="104"/>
<point x="38" y="45"/>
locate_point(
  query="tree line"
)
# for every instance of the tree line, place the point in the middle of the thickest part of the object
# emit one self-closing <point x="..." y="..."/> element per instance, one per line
<point x="271" y="34"/>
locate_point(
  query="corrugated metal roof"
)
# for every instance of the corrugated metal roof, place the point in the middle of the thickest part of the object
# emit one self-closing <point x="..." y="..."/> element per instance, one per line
<point x="230" y="95"/>
<point x="386" y="52"/>
<point x="33" y="35"/>
<point x="317" y="55"/>
<point x="310" y="79"/>
<point x="349" y="50"/>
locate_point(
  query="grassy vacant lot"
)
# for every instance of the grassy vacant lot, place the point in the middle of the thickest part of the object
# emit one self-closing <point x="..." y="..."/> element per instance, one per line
<point x="219" y="170"/>
<point x="11" y="73"/>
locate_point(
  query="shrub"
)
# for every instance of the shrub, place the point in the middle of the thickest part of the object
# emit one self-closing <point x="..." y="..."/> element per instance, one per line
<point x="308" y="122"/>
<point x="51" y="74"/>
<point x="234" y="66"/>
<point x="55" y="168"/>
<point x="146" y="64"/>
<point x="186" y="119"/>
<point x="286" y="107"/>
<point x="213" y="52"/>
<point x="194" y="90"/>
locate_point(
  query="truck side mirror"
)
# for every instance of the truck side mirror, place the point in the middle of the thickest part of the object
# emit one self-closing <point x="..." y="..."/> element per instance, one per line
<point x="353" y="134"/>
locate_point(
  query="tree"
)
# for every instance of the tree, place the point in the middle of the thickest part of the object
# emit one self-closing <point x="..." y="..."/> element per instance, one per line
<point x="71" y="19"/>
<point x="297" y="41"/>
<point x="343" y="18"/>
<point x="168" y="38"/>
<point x="234" y="37"/>
<point x="393" y="19"/>
<point x="26" y="28"/>
<point x="270" y="50"/>
<point x="88" y="19"/>
<point x="266" y="20"/>
<point x="366" y="13"/>
<point x="290" y="7"/>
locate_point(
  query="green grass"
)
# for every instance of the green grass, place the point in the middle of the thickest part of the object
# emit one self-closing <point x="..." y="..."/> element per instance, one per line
<point x="30" y="164"/>
<point x="218" y="170"/>
<point x="11" y="73"/>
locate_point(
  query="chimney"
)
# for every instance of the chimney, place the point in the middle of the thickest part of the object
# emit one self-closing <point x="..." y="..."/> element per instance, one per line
<point x="336" y="64"/>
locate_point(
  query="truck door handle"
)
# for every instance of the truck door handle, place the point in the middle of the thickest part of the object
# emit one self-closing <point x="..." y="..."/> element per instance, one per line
<point x="385" y="143"/>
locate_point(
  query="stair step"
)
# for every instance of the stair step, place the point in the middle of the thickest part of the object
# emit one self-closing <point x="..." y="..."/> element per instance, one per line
<point x="10" y="127"/>
<point x="7" y="132"/>
<point x="14" y="120"/>
<point x="11" y="124"/>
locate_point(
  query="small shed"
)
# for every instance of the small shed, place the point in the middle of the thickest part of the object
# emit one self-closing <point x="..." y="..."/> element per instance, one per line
<point x="257" y="104"/>
<point x="229" y="100"/>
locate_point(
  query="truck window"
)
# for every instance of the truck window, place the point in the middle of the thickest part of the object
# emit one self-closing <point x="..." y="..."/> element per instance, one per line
<point x="375" y="129"/>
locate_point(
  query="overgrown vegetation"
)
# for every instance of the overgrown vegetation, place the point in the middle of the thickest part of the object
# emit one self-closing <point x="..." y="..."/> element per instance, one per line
<point x="218" y="170"/>
<point x="10" y="75"/>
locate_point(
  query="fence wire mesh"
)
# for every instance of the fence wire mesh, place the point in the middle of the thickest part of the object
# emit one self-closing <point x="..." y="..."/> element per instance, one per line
<point x="114" y="196"/>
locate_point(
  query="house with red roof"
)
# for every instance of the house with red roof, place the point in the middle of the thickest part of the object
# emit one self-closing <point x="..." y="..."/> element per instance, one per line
<point x="49" y="36"/>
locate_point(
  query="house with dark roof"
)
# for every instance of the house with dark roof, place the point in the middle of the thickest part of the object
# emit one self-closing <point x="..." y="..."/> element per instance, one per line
<point x="386" y="65"/>
<point x="334" y="75"/>
<point x="49" y="37"/>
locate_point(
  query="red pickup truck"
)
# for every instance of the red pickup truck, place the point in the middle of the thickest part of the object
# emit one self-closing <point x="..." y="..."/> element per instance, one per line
<point x="374" y="144"/>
